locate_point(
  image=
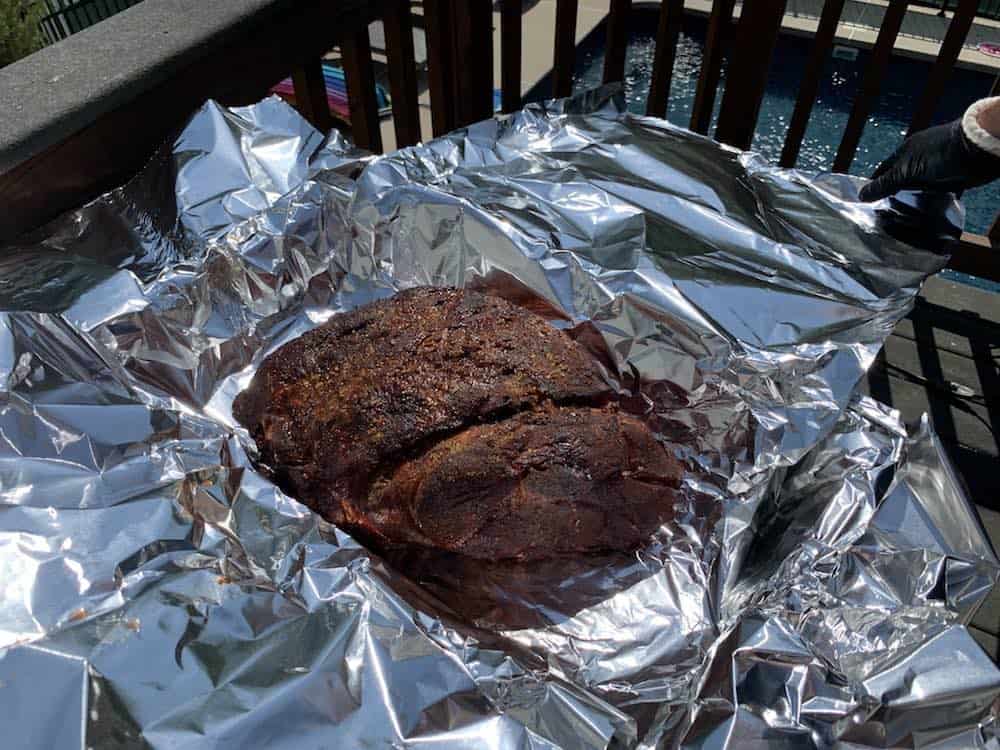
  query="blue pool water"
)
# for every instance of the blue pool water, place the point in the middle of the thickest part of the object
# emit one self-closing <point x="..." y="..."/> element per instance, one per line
<point x="883" y="133"/>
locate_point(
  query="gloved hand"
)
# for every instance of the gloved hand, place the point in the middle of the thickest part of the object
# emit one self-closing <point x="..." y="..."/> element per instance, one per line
<point x="945" y="159"/>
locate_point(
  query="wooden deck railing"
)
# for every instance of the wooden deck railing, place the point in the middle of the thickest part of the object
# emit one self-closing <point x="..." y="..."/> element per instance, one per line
<point x="234" y="50"/>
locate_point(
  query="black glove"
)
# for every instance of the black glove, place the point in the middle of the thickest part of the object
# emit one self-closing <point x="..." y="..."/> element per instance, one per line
<point x="940" y="159"/>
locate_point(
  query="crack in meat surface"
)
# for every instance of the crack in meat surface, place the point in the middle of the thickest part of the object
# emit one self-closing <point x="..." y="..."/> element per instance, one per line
<point x="455" y="420"/>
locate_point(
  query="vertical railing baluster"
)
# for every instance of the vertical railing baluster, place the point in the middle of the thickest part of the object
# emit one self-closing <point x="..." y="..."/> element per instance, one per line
<point x="667" y="32"/>
<point x="958" y="30"/>
<point x="357" y="54"/>
<point x="711" y="65"/>
<point x="402" y="73"/>
<point x="510" y="55"/>
<point x="993" y="233"/>
<point x="822" y="44"/>
<point x="310" y="94"/>
<point x="440" y="66"/>
<point x="564" y="49"/>
<point x="756" y="36"/>
<point x="617" y="42"/>
<point x="472" y="26"/>
<point x="871" y="84"/>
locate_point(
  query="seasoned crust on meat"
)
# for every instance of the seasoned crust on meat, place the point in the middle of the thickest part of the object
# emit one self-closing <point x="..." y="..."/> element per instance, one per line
<point x="551" y="481"/>
<point x="352" y="413"/>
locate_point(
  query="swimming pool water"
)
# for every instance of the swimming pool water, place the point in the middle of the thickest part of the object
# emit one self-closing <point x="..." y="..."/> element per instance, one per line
<point x="883" y="133"/>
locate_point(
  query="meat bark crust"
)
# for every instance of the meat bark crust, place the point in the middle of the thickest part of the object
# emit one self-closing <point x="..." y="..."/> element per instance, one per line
<point x="456" y="420"/>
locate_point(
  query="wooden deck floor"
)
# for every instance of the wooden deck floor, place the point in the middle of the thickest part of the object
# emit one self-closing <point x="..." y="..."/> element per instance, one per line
<point x="944" y="359"/>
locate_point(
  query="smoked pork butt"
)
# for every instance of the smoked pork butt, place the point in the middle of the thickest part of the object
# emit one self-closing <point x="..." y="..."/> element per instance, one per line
<point x="455" y="420"/>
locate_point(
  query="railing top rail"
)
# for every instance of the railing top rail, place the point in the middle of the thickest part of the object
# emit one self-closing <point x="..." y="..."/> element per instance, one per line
<point x="61" y="89"/>
<point x="83" y="115"/>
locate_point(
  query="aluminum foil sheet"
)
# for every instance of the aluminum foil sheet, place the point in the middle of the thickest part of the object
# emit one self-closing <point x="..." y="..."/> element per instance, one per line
<point x="812" y="590"/>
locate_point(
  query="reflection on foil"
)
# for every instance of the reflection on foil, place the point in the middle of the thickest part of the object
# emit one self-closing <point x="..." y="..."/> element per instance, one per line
<point x="812" y="589"/>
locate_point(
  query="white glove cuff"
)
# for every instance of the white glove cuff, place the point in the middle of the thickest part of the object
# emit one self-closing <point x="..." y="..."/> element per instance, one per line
<point x="975" y="132"/>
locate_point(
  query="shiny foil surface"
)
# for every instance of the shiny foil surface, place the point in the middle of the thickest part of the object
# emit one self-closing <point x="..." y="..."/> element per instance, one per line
<point x="156" y="590"/>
